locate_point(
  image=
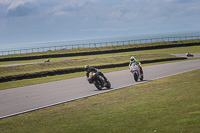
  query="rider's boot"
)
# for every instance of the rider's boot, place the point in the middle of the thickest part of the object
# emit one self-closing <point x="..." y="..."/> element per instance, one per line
<point x="103" y="82"/>
<point x="105" y="79"/>
<point x="141" y="72"/>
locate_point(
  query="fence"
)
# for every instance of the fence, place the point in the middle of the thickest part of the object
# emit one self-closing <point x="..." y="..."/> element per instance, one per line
<point x="101" y="44"/>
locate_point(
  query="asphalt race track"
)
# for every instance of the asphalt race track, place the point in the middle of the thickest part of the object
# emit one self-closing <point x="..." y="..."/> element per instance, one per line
<point x="24" y="99"/>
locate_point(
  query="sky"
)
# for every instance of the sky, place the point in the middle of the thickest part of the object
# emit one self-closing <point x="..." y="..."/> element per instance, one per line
<point x="25" y="21"/>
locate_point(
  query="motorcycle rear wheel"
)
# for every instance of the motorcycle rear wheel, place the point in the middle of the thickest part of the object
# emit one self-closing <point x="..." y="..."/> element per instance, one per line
<point x="108" y="84"/>
<point x="142" y="78"/>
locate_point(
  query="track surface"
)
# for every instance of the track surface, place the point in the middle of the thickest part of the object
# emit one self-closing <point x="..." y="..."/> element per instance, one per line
<point x="24" y="99"/>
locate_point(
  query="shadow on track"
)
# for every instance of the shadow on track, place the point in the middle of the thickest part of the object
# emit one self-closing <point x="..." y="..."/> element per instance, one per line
<point x="104" y="89"/>
<point x="145" y="80"/>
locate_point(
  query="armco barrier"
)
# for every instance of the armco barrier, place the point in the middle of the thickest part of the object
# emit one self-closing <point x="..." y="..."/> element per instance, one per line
<point x="73" y="70"/>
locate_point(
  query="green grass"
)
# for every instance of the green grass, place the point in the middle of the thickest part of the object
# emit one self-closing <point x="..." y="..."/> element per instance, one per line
<point x="179" y="50"/>
<point x="101" y="60"/>
<point x="81" y="61"/>
<point x="79" y="50"/>
<point x="26" y="82"/>
<point x="169" y="104"/>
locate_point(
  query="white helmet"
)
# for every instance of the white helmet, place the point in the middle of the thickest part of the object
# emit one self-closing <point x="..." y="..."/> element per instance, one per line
<point x="132" y="58"/>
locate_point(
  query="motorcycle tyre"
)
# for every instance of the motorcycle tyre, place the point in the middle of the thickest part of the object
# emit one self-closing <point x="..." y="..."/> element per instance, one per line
<point x="98" y="85"/>
<point x="108" y="84"/>
<point x="142" y="78"/>
<point x="135" y="75"/>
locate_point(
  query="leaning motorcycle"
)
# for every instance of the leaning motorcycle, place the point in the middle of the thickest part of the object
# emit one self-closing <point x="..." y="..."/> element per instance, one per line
<point x="135" y="69"/>
<point x="98" y="81"/>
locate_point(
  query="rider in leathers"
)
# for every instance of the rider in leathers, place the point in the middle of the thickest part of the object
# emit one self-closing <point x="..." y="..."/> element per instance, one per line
<point x="95" y="70"/>
<point x="132" y="60"/>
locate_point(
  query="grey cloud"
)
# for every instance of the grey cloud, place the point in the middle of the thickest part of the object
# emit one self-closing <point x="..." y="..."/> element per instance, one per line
<point x="23" y="10"/>
<point x="72" y="6"/>
<point x="185" y="1"/>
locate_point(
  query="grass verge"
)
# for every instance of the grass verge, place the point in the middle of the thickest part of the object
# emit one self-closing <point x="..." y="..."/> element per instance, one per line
<point x="155" y="52"/>
<point x="99" y="50"/>
<point x="39" y="80"/>
<point x="77" y="63"/>
<point x="81" y="61"/>
<point x="169" y="104"/>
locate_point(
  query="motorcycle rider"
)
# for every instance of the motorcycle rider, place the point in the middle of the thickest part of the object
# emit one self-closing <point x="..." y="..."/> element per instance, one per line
<point x="132" y="60"/>
<point x="95" y="70"/>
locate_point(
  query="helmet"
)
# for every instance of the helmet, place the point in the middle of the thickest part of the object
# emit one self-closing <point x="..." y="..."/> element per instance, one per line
<point x="86" y="67"/>
<point x="132" y="58"/>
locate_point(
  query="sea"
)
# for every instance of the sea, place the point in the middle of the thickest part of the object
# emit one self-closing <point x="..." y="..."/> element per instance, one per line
<point x="36" y="46"/>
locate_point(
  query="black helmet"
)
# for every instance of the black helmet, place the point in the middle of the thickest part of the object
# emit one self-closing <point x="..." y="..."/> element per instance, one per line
<point x="86" y="67"/>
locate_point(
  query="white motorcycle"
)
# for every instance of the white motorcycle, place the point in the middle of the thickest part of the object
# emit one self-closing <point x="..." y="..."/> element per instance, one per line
<point x="135" y="69"/>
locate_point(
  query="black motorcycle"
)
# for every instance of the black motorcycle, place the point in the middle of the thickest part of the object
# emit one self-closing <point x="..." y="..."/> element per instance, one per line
<point x="98" y="81"/>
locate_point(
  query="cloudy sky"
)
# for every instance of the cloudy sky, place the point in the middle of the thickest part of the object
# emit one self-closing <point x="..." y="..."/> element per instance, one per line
<point x="24" y="21"/>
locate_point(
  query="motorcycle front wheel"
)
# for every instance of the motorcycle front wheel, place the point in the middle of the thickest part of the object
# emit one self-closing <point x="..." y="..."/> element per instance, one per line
<point x="98" y="85"/>
<point x="135" y="75"/>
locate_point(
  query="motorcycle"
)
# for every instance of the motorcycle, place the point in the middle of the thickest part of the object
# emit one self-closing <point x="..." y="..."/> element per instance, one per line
<point x="98" y="81"/>
<point x="135" y="69"/>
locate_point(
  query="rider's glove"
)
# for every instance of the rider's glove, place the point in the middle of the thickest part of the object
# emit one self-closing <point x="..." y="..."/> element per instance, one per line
<point x="89" y="81"/>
